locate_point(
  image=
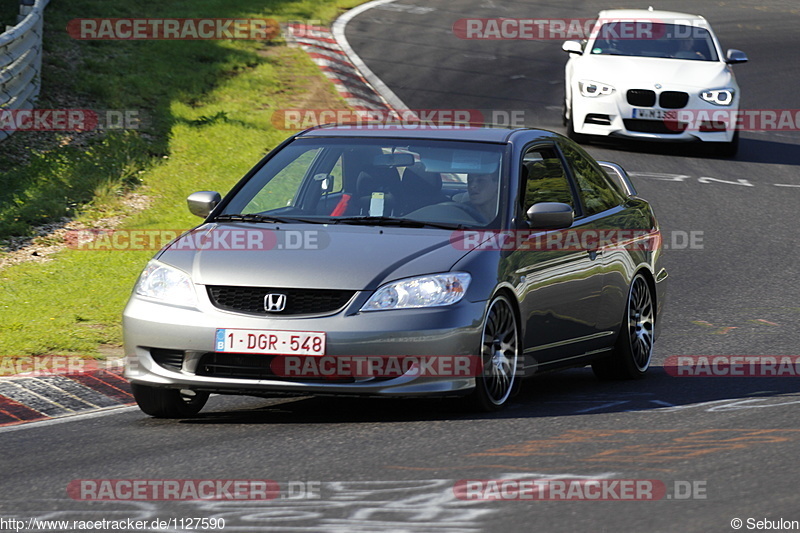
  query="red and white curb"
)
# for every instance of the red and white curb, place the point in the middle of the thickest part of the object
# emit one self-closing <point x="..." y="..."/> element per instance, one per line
<point x="322" y="48"/>
<point x="351" y="77"/>
<point x="338" y="31"/>
<point x="25" y="399"/>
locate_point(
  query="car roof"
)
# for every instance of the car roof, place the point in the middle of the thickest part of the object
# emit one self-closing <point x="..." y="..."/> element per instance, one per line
<point x="654" y="15"/>
<point x="408" y="131"/>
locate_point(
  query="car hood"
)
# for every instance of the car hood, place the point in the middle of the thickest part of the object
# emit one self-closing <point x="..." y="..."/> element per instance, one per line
<point x="637" y="72"/>
<point x="310" y="255"/>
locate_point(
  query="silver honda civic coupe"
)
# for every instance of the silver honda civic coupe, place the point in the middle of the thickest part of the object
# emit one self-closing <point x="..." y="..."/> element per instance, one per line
<point x="400" y="262"/>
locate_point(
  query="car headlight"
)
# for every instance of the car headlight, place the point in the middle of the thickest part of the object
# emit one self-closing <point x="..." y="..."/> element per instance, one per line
<point x="718" y="96"/>
<point x="425" y="291"/>
<point x="593" y="89"/>
<point x="166" y="283"/>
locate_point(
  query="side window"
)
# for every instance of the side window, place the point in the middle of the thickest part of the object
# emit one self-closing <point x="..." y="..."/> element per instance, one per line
<point x="337" y="175"/>
<point x="281" y="189"/>
<point x="597" y="193"/>
<point x="546" y="180"/>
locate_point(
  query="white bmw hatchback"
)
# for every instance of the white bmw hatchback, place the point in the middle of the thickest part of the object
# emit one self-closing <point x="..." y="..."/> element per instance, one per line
<point x="652" y="75"/>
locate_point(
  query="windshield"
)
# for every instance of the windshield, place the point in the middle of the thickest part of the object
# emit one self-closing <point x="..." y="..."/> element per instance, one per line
<point x="377" y="181"/>
<point x="648" y="39"/>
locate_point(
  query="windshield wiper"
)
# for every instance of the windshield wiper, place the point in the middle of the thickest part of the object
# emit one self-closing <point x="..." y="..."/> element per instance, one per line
<point x="256" y="217"/>
<point x="390" y="221"/>
<point x="357" y="221"/>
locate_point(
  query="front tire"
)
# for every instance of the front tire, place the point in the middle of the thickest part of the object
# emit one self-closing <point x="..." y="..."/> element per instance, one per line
<point x="633" y="350"/>
<point x="168" y="403"/>
<point x="728" y="149"/>
<point x="499" y="354"/>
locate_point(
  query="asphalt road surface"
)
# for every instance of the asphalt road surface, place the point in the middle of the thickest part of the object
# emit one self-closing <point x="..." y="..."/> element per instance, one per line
<point x="702" y="450"/>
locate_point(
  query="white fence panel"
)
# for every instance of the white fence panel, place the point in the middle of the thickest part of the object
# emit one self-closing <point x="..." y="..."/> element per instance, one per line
<point x="21" y="59"/>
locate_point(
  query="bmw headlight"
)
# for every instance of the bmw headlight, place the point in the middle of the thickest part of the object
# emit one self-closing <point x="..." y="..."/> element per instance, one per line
<point x="593" y="89"/>
<point x="166" y="283"/>
<point x="425" y="291"/>
<point x="722" y="97"/>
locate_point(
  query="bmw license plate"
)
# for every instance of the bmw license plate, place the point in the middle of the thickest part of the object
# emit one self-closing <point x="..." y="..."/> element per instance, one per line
<point x="654" y="114"/>
<point x="270" y="342"/>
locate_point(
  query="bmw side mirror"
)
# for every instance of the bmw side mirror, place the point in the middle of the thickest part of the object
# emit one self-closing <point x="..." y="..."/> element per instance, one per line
<point x="735" y="56"/>
<point x="550" y="215"/>
<point x="203" y="202"/>
<point x="572" y="47"/>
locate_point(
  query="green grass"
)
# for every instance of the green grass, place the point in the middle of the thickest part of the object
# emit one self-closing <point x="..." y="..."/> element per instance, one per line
<point x="208" y="105"/>
<point x="148" y="77"/>
<point x="9" y="9"/>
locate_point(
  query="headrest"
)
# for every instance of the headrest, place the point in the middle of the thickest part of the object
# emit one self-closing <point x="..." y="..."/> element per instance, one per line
<point x="422" y="181"/>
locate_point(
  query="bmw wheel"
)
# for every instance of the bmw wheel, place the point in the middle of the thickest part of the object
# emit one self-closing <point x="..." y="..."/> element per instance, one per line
<point x="634" y="348"/>
<point x="168" y="403"/>
<point x="728" y="149"/>
<point x="499" y="354"/>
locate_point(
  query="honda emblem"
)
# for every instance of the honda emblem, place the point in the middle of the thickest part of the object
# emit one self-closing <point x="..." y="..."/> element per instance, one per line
<point x="274" y="302"/>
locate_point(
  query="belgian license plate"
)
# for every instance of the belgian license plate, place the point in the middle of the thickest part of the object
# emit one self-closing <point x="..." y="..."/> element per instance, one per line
<point x="270" y="342"/>
<point x="654" y="114"/>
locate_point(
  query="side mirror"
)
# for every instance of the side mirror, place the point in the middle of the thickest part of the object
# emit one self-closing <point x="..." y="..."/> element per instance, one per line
<point x="735" y="56"/>
<point x="550" y="215"/>
<point x="619" y="177"/>
<point x="572" y="47"/>
<point x="203" y="202"/>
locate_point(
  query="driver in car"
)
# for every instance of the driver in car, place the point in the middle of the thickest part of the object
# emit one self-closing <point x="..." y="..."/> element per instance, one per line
<point x="482" y="194"/>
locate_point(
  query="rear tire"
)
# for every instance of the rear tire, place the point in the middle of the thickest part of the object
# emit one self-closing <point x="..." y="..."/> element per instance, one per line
<point x="633" y="350"/>
<point x="499" y="354"/>
<point x="168" y="403"/>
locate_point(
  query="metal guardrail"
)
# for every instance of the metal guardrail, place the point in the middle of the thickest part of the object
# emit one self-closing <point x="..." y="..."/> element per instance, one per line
<point x="21" y="58"/>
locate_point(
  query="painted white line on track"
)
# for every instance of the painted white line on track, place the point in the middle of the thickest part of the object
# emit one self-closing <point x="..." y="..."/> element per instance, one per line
<point x="338" y="33"/>
<point x="407" y="8"/>
<point x="69" y="418"/>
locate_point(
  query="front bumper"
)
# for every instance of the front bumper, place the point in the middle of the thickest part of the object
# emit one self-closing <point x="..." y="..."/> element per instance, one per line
<point x="613" y="116"/>
<point x="188" y="335"/>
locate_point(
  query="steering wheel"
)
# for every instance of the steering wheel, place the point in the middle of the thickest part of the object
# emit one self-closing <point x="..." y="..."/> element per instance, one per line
<point x="469" y="209"/>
